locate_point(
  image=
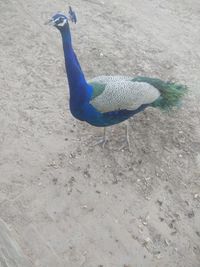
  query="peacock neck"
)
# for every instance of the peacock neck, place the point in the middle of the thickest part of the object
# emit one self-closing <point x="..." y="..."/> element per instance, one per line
<point x="77" y="83"/>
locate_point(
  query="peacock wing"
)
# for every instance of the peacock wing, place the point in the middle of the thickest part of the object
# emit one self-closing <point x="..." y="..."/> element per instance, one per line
<point x="99" y="83"/>
<point x="112" y="94"/>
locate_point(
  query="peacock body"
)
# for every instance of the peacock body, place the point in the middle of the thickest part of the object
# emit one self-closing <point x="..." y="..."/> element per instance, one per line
<point x="108" y="100"/>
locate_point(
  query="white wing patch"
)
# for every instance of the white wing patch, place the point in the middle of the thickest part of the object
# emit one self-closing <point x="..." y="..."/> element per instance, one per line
<point x="123" y="94"/>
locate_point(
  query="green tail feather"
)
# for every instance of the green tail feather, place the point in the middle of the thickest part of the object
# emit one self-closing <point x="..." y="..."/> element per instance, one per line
<point x="171" y="93"/>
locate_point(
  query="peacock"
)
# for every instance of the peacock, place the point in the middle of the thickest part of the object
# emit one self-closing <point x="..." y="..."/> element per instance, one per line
<point x="108" y="100"/>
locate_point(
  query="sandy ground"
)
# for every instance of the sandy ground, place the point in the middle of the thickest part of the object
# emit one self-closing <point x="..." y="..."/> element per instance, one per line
<point x="65" y="203"/>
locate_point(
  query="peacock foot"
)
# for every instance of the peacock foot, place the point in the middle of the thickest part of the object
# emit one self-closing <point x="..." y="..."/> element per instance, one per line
<point x="103" y="140"/>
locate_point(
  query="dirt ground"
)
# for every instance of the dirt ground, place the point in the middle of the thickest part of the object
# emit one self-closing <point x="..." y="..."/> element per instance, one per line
<point x="65" y="203"/>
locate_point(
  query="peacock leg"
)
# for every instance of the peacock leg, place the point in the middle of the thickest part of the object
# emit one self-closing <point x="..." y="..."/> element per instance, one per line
<point x="104" y="138"/>
<point x="127" y="135"/>
<point x="127" y="139"/>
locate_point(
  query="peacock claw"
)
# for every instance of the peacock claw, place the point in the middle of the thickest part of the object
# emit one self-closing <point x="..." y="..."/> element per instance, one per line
<point x="126" y="146"/>
<point x="101" y="143"/>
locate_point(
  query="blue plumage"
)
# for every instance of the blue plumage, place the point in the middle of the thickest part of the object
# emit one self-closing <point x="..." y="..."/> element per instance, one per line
<point x="108" y="100"/>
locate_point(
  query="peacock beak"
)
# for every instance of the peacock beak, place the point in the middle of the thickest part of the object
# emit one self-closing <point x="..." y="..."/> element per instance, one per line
<point x="50" y="22"/>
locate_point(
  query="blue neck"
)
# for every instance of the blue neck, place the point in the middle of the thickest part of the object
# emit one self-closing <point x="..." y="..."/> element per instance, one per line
<point x="77" y="83"/>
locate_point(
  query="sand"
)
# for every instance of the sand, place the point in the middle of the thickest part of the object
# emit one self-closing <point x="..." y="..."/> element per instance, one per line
<point x="66" y="203"/>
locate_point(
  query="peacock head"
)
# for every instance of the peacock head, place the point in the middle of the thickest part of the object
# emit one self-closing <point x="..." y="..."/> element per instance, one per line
<point x="59" y="20"/>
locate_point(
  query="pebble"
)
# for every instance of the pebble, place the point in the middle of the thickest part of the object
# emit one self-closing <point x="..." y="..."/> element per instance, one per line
<point x="148" y="239"/>
<point x="191" y="214"/>
<point x="158" y="256"/>
<point x="167" y="242"/>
